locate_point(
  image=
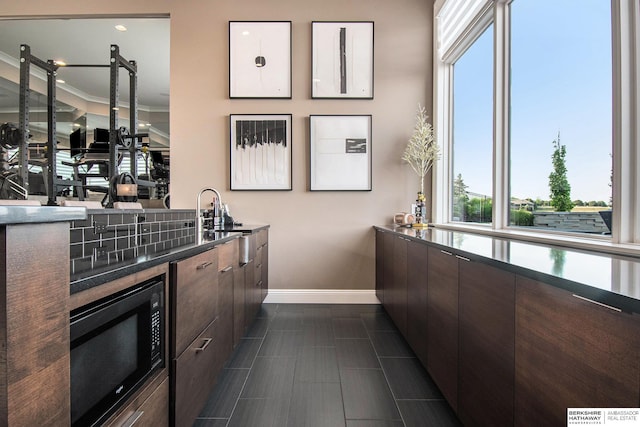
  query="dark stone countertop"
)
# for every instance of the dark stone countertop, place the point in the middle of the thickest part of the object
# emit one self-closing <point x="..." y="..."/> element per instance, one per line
<point x="26" y="214"/>
<point x="609" y="279"/>
<point x="107" y="273"/>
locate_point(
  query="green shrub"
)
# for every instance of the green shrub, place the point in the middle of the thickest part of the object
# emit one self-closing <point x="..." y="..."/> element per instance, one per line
<point x="521" y="217"/>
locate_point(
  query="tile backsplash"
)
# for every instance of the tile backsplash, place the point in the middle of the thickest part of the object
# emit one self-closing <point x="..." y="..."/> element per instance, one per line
<point x="110" y="236"/>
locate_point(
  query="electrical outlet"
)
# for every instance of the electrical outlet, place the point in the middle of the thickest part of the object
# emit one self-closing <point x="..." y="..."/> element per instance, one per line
<point x="100" y="227"/>
<point x="100" y="253"/>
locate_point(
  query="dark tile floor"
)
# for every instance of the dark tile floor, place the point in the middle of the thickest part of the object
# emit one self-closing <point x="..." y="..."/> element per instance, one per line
<point x="303" y="365"/>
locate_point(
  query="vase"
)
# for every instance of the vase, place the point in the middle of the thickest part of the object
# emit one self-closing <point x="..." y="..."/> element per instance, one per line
<point x="420" y="220"/>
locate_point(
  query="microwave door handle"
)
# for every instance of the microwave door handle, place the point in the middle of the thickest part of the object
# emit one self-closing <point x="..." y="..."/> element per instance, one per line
<point x="204" y="345"/>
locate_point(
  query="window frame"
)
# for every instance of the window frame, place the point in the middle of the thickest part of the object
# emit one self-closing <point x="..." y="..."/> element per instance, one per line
<point x="625" y="233"/>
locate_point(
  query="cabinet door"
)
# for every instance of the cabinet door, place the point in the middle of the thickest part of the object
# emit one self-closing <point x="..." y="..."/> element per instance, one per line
<point x="487" y="329"/>
<point x="225" y="325"/>
<point x="417" y="280"/>
<point x="380" y="265"/>
<point x="264" y="286"/>
<point x="195" y="372"/>
<point x="249" y="293"/>
<point x="442" y="323"/>
<point x="398" y="303"/>
<point x="194" y="289"/>
<point x="238" y="304"/>
<point x="387" y="263"/>
<point x="571" y="353"/>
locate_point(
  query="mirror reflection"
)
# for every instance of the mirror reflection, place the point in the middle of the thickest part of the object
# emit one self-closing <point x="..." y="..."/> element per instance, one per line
<point x="81" y="49"/>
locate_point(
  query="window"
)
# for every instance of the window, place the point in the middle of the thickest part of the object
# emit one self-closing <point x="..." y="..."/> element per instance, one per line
<point x="473" y="132"/>
<point x="562" y="74"/>
<point x="561" y="99"/>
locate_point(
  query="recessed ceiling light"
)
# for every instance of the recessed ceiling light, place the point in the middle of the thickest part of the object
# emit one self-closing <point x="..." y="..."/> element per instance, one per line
<point x="59" y="63"/>
<point x="115" y="108"/>
<point x="120" y="27"/>
<point x="245" y="33"/>
<point x="60" y="81"/>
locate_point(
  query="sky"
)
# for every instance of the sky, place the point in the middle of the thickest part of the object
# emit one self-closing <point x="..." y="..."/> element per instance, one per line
<point x="560" y="83"/>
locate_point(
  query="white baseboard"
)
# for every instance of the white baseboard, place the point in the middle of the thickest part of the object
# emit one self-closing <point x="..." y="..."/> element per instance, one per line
<point x="321" y="296"/>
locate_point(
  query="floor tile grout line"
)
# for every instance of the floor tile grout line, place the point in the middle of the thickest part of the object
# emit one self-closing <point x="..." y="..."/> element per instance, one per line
<point x="235" y="405"/>
<point x="384" y="374"/>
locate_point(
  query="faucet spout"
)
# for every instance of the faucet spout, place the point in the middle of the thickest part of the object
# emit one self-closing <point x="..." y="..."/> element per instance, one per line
<point x="199" y="218"/>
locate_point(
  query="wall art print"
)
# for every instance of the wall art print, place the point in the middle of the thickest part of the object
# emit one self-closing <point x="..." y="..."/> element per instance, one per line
<point x="260" y="59"/>
<point x="260" y="147"/>
<point x="340" y="153"/>
<point x="342" y="60"/>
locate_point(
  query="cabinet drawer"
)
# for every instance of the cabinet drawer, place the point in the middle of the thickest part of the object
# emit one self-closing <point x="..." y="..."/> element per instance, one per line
<point x="153" y="412"/>
<point x="195" y="296"/>
<point x="195" y="374"/>
<point x="228" y="254"/>
<point x="262" y="237"/>
<point x="258" y="257"/>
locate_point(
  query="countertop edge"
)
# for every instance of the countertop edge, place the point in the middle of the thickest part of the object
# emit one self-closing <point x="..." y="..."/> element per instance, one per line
<point x="15" y="215"/>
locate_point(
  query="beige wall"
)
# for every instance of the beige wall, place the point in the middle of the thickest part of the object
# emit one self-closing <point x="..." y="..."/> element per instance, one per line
<point x="318" y="240"/>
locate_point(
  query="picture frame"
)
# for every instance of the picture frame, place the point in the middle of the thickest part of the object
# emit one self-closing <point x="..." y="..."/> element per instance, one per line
<point x="260" y="152"/>
<point x="342" y="59"/>
<point x="260" y="59"/>
<point x="340" y="152"/>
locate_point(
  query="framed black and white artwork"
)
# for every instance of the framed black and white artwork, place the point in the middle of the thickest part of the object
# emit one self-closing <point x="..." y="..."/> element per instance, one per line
<point x="260" y="59"/>
<point x="260" y="150"/>
<point x="340" y="153"/>
<point x="342" y="59"/>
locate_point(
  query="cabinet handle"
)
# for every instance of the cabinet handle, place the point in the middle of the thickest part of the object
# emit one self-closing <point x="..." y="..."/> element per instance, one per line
<point x="259" y="284"/>
<point x="463" y="258"/>
<point x="598" y="303"/>
<point x="204" y="265"/>
<point x="133" y="419"/>
<point x="259" y="265"/>
<point x="227" y="269"/>
<point x="204" y="345"/>
<point x="445" y="252"/>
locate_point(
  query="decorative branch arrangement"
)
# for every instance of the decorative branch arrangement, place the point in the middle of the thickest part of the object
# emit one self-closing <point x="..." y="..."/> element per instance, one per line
<point x="422" y="149"/>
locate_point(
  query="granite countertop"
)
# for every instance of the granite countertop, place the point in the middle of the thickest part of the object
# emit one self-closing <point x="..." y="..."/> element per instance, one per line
<point x="610" y="279"/>
<point x="26" y="214"/>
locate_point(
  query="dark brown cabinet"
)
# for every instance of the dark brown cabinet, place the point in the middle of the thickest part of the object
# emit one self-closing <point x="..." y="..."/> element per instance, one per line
<point x="442" y="323"/>
<point x="238" y="303"/>
<point x="196" y="345"/>
<point x="380" y="265"/>
<point x="486" y="339"/>
<point x="417" y="285"/>
<point x="571" y="353"/>
<point x="194" y="375"/>
<point x="396" y="288"/>
<point x="195" y="297"/>
<point x="227" y="262"/>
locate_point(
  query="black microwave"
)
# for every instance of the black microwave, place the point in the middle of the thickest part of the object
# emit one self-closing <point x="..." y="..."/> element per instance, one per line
<point x="117" y="343"/>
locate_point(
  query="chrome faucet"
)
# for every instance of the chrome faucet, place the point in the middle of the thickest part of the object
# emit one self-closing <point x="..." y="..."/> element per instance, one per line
<point x="199" y="218"/>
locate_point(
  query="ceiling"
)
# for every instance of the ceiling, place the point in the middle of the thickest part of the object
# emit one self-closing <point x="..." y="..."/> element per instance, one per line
<point x="87" y="42"/>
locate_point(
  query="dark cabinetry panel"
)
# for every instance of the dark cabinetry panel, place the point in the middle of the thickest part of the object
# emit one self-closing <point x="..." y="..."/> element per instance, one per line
<point x="571" y="353"/>
<point x="417" y="285"/>
<point x="396" y="295"/>
<point x="487" y="329"/>
<point x="194" y="296"/>
<point x="195" y="373"/>
<point x="380" y="265"/>
<point x="442" y="323"/>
